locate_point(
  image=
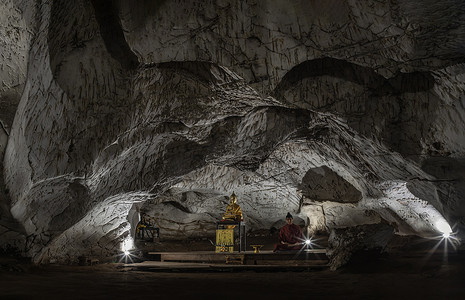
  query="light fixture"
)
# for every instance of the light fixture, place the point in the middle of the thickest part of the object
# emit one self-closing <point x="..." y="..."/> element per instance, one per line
<point x="127" y="244"/>
<point x="444" y="228"/>
<point x="127" y="250"/>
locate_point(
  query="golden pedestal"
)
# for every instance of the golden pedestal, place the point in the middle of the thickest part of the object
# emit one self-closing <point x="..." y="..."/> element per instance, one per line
<point x="256" y="248"/>
<point x="228" y="240"/>
<point x="224" y="240"/>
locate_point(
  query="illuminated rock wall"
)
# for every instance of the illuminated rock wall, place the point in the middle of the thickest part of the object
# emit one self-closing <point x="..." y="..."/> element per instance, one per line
<point x="344" y="113"/>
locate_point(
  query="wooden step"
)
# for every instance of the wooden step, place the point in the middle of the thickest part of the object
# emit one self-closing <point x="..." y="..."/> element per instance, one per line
<point x="317" y="256"/>
<point x="157" y="266"/>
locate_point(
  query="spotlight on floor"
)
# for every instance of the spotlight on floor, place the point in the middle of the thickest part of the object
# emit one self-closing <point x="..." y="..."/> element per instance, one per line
<point x="444" y="227"/>
<point x="126" y="247"/>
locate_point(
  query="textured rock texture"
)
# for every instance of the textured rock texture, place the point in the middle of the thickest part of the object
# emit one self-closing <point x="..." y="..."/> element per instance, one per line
<point x="344" y="113"/>
<point x="343" y="243"/>
<point x="16" y="32"/>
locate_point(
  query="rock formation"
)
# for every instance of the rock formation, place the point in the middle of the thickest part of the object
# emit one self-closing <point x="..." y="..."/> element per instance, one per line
<point x="345" y="113"/>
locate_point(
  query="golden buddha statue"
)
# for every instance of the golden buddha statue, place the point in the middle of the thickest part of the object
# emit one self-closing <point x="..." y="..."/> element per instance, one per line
<point x="233" y="211"/>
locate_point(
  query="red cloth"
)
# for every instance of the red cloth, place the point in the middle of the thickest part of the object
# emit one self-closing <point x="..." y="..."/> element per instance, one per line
<point x="290" y="233"/>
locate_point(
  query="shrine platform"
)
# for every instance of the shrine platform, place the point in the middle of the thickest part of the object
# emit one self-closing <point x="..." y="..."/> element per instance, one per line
<point x="157" y="266"/>
<point x="311" y="257"/>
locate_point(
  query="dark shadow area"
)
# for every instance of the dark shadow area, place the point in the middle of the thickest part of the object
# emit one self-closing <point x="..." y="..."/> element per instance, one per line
<point x="139" y="11"/>
<point x="323" y="184"/>
<point x="106" y="12"/>
<point x="369" y="277"/>
<point x="364" y="76"/>
<point x="369" y="261"/>
<point x="68" y="30"/>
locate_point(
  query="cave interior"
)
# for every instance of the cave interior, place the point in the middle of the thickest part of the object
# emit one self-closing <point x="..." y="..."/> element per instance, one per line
<point x="348" y="114"/>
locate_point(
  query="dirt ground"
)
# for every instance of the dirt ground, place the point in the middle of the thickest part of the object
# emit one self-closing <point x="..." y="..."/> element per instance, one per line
<point x="406" y="276"/>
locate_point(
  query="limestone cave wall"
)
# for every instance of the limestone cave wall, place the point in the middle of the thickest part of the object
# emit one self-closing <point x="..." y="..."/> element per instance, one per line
<point x="345" y="113"/>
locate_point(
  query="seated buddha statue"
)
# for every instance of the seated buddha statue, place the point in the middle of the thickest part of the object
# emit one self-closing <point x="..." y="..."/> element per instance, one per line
<point x="233" y="211"/>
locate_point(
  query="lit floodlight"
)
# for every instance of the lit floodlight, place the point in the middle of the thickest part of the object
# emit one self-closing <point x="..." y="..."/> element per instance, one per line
<point x="443" y="227"/>
<point x="307" y="242"/>
<point x="127" y="245"/>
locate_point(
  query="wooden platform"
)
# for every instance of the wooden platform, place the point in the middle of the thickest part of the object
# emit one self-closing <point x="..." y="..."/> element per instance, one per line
<point x="306" y="257"/>
<point x="157" y="266"/>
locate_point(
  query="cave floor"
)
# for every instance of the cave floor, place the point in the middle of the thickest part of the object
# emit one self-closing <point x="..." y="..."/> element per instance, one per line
<point x="402" y="276"/>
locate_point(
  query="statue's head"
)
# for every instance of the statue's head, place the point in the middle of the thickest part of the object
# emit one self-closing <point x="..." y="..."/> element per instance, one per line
<point x="233" y="198"/>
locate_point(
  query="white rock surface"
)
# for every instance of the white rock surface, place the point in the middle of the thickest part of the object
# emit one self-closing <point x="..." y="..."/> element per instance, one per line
<point x="316" y="216"/>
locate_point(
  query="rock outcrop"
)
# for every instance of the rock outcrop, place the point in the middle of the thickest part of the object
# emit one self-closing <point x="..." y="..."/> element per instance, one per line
<point x="343" y="243"/>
